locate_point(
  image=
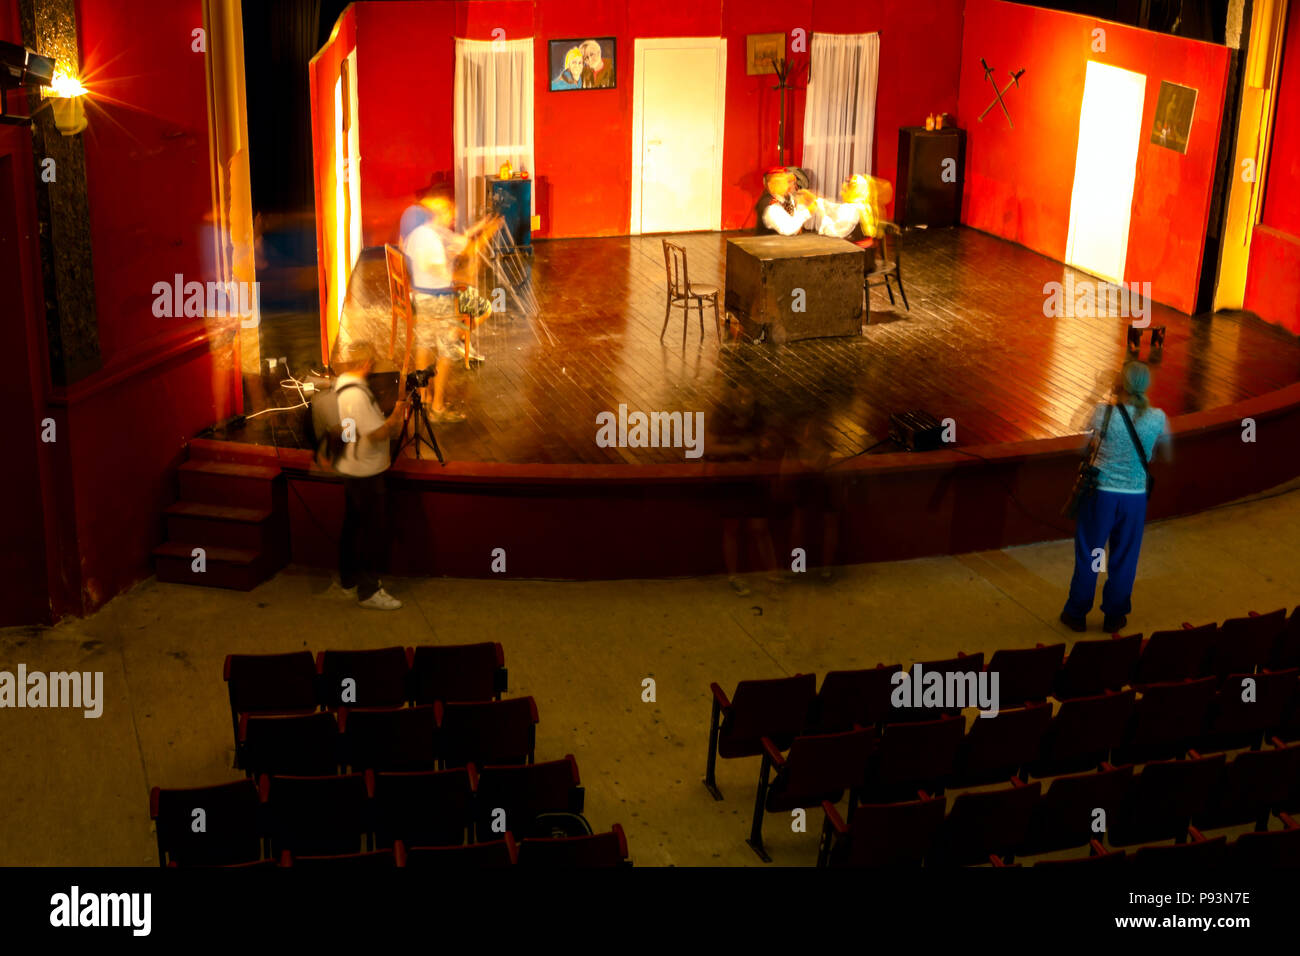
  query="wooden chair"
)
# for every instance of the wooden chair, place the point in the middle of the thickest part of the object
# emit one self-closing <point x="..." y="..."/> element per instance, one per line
<point x="887" y="263"/>
<point x="682" y="292"/>
<point x="399" y="293"/>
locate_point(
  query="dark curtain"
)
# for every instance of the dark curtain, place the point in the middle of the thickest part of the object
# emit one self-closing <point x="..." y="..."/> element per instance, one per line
<point x="280" y="38"/>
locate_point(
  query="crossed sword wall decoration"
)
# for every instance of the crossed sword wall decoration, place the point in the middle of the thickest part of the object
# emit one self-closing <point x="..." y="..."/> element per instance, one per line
<point x="997" y="94"/>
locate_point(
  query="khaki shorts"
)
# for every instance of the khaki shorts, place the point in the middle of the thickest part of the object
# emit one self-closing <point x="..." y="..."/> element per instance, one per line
<point x="438" y="327"/>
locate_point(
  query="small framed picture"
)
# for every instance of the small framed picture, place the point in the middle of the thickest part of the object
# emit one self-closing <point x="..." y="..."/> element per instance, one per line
<point x="583" y="64"/>
<point x="762" y="51"/>
<point x="1175" y="108"/>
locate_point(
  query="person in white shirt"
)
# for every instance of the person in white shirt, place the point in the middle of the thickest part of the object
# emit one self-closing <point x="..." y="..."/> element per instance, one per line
<point x="432" y="247"/>
<point x="364" y="463"/>
<point x="782" y="209"/>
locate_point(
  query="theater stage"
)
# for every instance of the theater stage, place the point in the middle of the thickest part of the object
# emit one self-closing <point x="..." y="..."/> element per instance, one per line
<point x="975" y="347"/>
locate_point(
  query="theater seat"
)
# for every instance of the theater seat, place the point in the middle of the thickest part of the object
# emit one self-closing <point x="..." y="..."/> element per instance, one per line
<point x="777" y="708"/>
<point x="303" y="744"/>
<point x="881" y="834"/>
<point x="389" y="738"/>
<point x="1095" y="666"/>
<point x="424" y="808"/>
<point x="598" y="850"/>
<point x="458" y="672"/>
<point x="207" y="826"/>
<point x="318" y="816"/>
<point x="370" y="678"/>
<point x="986" y="826"/>
<point x="269" y="684"/>
<point x="491" y="732"/>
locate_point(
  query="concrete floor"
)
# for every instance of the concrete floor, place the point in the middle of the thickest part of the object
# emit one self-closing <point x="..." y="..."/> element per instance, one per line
<point x="75" y="791"/>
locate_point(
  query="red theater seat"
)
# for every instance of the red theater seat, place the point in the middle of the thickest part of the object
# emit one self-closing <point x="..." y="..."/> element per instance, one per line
<point x="1168" y="720"/>
<point x="424" y="808"/>
<point x="230" y="832"/>
<point x="1253" y="784"/>
<point x="318" y="816"/>
<point x="1026" y="675"/>
<point x="1175" y="655"/>
<point x="849" y="699"/>
<point x="1067" y="817"/>
<point x="970" y="664"/>
<point x="1273" y="849"/>
<point x="524" y="793"/>
<point x="598" y="850"/>
<point x="376" y="678"/>
<point x="777" y="708"/>
<point x="1286" y="649"/>
<point x="1195" y="854"/>
<point x="1248" y="706"/>
<point x="270" y="683"/>
<point x="473" y="856"/>
<point x="881" y="834"/>
<point x="458" y="672"/>
<point x="913" y="757"/>
<point x="1243" y="644"/>
<point x="818" y="768"/>
<point x="985" y="825"/>
<point x="389" y="738"/>
<point x="1163" y="799"/>
<point x="996" y="748"/>
<point x="491" y="732"/>
<point x="1095" y="666"/>
<point x="1083" y="732"/>
<point x="301" y="745"/>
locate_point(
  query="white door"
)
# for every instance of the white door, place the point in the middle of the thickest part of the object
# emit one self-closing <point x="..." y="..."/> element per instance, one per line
<point x="679" y="91"/>
<point x="1110" y="132"/>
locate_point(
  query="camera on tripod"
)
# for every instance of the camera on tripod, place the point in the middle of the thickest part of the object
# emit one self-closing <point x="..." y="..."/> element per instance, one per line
<point x="419" y="378"/>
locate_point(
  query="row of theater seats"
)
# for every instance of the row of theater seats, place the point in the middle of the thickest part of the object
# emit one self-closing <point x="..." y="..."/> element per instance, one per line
<point x="597" y="850"/>
<point x="369" y="817"/>
<point x="354" y="752"/>
<point x="850" y="736"/>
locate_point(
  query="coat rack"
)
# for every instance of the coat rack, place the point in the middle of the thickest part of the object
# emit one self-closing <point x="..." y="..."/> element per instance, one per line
<point x="787" y="73"/>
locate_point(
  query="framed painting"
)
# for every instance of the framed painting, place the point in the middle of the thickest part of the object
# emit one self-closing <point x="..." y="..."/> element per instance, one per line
<point x="583" y="64"/>
<point x="1174" y="111"/>
<point x="762" y="50"/>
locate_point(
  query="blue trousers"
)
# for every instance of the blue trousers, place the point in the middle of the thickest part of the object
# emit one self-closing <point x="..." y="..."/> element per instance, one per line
<point x="1107" y="517"/>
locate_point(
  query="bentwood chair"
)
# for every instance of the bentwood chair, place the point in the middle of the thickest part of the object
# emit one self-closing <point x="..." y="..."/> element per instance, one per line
<point x="682" y="292"/>
<point x="888" y="263"/>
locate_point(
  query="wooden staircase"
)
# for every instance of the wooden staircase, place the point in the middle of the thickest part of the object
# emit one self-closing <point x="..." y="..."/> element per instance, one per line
<point x="232" y="505"/>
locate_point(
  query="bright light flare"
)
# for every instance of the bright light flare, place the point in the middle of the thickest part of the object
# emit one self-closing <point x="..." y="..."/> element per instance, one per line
<point x="65" y="85"/>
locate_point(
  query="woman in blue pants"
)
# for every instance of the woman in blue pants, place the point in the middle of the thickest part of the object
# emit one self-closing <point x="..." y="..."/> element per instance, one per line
<point x="1116" y="513"/>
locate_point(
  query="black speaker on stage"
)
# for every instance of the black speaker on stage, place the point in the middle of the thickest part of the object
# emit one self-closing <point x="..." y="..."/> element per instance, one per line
<point x="922" y="197"/>
<point x="916" y="430"/>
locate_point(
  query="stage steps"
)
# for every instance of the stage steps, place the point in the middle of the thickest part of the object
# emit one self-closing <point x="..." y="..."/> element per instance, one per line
<point x="232" y="505"/>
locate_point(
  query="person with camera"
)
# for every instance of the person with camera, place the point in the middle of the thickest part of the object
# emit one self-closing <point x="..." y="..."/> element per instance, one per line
<point x="364" y="464"/>
<point x="1127" y="432"/>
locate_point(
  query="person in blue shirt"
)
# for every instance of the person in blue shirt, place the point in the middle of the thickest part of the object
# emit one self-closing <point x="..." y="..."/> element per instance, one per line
<point x="1115" y="514"/>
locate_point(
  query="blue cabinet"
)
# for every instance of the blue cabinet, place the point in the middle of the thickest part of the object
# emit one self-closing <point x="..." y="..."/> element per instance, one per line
<point x="513" y="200"/>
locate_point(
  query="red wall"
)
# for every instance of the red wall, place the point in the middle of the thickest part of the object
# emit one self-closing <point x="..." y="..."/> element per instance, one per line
<point x="1019" y="181"/>
<point x="404" y="146"/>
<point x="105" y="479"/>
<point x="1273" y="280"/>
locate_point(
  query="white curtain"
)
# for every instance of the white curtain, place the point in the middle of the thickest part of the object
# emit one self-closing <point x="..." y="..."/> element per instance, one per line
<point x="839" y="119"/>
<point x="493" y="117"/>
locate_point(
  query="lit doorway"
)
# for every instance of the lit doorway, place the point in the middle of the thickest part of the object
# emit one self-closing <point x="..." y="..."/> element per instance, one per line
<point x="1110" y="131"/>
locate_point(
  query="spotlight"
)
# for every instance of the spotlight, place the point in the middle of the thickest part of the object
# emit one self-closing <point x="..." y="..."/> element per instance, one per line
<point x="23" y="68"/>
<point x="20" y="66"/>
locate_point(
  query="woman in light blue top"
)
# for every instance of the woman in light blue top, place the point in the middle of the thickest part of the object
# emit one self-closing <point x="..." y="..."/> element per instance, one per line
<point x="1116" y="512"/>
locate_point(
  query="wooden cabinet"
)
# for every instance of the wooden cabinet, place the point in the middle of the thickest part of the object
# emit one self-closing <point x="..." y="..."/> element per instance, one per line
<point x="931" y="170"/>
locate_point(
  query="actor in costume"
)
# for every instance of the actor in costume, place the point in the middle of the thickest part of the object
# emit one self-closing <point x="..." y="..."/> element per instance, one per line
<point x="782" y="209"/>
<point x="432" y="248"/>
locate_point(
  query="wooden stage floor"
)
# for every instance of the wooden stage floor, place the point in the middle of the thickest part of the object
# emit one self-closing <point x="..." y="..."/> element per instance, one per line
<point x="975" y="347"/>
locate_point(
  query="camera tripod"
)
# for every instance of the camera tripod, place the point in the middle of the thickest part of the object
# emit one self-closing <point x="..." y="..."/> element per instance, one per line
<point x="416" y="429"/>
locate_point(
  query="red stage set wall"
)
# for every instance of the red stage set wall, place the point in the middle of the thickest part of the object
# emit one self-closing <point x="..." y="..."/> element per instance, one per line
<point x="1273" y="280"/>
<point x="406" y="69"/>
<point x="1019" y="181"/>
<point x="120" y="431"/>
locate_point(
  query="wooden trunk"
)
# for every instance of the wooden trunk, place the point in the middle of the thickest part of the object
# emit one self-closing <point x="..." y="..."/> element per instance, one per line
<point x="798" y="287"/>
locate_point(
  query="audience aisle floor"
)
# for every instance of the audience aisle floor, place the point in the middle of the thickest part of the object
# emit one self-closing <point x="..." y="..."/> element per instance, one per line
<point x="76" y="790"/>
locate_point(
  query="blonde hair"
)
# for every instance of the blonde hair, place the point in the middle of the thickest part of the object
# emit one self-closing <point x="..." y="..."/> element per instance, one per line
<point x="1136" y="381"/>
<point x="574" y="58"/>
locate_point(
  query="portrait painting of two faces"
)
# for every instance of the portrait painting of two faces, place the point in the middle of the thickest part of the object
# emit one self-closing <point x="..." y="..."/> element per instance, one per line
<point x="582" y="64"/>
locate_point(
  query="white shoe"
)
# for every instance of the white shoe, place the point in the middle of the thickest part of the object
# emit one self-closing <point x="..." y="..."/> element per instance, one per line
<point x="381" y="600"/>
